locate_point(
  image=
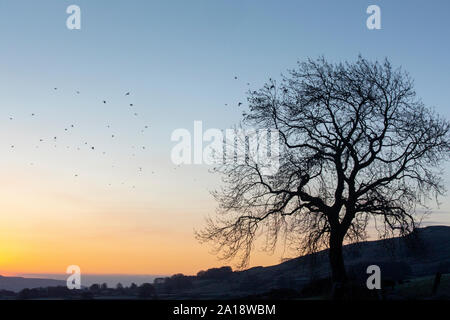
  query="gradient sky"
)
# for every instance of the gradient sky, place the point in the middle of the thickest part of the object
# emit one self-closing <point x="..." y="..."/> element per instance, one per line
<point x="179" y="60"/>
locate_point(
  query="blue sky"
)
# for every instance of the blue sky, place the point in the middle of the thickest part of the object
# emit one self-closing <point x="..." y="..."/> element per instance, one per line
<point x="179" y="60"/>
<point x="179" y="57"/>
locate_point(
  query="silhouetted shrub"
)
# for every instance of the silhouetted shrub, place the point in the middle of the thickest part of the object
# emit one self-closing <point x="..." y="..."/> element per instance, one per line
<point x="95" y="288"/>
<point x="59" y="292"/>
<point x="7" y="294"/>
<point x="146" y="290"/>
<point x="177" y="282"/>
<point x="222" y="273"/>
<point x="29" y="294"/>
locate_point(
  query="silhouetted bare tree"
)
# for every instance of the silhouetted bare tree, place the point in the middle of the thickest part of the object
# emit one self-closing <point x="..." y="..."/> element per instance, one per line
<point x="356" y="143"/>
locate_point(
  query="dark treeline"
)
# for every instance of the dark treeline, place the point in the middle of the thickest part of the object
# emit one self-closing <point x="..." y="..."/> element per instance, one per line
<point x="144" y="291"/>
<point x="169" y="285"/>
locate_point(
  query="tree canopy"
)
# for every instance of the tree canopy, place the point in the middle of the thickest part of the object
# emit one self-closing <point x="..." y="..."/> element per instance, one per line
<point x="356" y="144"/>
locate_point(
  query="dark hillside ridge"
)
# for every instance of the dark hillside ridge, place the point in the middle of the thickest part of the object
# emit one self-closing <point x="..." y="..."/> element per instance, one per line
<point x="423" y="253"/>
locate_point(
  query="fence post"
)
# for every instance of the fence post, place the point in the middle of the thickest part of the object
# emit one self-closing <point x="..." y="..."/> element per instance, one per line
<point x="437" y="281"/>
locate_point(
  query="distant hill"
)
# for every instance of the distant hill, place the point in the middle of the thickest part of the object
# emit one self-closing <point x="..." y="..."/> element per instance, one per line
<point x="18" y="283"/>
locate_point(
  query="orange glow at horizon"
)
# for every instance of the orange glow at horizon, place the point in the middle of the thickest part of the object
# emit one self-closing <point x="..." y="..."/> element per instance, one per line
<point x="49" y="222"/>
<point x="46" y="226"/>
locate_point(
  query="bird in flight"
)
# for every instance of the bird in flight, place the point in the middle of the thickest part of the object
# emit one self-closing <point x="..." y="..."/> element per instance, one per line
<point x="127" y="94"/>
<point x="239" y="104"/>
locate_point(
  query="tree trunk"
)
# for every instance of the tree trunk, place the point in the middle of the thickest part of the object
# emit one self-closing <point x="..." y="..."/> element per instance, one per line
<point x="338" y="273"/>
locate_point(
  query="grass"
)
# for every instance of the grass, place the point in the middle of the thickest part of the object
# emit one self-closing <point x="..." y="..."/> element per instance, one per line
<point x="419" y="288"/>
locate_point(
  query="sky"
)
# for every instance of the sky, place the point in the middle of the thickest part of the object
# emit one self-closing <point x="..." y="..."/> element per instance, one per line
<point x="124" y="207"/>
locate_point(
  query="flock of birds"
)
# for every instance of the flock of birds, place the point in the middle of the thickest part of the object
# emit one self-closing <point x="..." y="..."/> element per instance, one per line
<point x="54" y="139"/>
